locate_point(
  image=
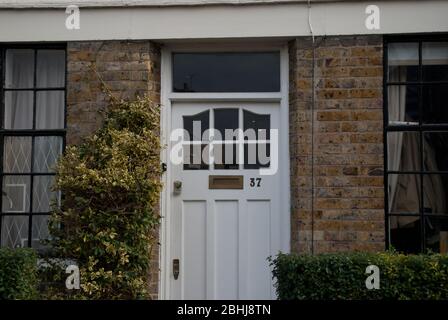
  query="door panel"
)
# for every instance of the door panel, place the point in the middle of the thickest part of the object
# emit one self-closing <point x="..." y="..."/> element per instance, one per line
<point x="259" y="247"/>
<point x="226" y="244"/>
<point x="223" y="237"/>
<point x="194" y="250"/>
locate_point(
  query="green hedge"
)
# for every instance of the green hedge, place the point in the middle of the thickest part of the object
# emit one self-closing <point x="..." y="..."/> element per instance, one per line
<point x="18" y="274"/>
<point x="343" y="276"/>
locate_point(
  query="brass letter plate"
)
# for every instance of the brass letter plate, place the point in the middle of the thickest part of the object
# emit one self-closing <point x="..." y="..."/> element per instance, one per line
<point x="225" y="182"/>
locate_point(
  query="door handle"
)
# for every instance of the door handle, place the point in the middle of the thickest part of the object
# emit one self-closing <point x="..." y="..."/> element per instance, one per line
<point x="176" y="268"/>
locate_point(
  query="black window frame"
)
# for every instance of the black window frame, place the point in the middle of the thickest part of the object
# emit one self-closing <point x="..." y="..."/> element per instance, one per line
<point x="421" y="129"/>
<point x="33" y="133"/>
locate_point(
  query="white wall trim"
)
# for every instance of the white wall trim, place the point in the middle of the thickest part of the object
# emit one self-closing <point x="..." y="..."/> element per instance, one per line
<point x="279" y="20"/>
<point x="135" y="3"/>
<point x="168" y="97"/>
<point x="262" y="96"/>
<point x="165" y="79"/>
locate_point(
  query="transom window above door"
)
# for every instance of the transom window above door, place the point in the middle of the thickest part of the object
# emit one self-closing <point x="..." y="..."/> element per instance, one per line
<point x="32" y="136"/>
<point x="226" y="72"/>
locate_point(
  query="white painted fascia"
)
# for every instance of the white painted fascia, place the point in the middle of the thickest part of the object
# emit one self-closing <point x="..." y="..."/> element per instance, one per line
<point x="172" y="23"/>
<point x="22" y="4"/>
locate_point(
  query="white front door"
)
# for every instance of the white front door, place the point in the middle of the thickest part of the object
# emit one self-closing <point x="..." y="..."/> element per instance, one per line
<point x="225" y="214"/>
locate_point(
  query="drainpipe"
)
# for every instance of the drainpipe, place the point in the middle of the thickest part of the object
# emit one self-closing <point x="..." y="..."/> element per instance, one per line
<point x="312" y="126"/>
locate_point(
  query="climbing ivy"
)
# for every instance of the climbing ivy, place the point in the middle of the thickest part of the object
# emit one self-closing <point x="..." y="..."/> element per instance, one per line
<point x="108" y="217"/>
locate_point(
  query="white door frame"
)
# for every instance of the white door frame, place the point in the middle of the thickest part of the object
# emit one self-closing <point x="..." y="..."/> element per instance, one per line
<point x="168" y="97"/>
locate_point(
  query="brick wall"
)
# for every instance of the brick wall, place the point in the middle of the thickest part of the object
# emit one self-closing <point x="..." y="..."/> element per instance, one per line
<point x="347" y="212"/>
<point x="127" y="68"/>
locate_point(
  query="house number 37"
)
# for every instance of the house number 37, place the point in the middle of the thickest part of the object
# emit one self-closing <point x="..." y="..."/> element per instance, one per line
<point x="255" y="182"/>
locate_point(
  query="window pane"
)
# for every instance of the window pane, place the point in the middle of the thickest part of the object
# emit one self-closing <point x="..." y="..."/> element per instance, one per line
<point x="435" y="103"/>
<point x="50" y="68"/>
<point x="436" y="233"/>
<point x="435" y="61"/>
<point x="14" y="231"/>
<point x="47" y="150"/>
<point x="403" y="151"/>
<point x="402" y="62"/>
<point x="226" y="119"/>
<point x="196" y="157"/>
<point x="18" y="109"/>
<point x="435" y="193"/>
<point x="42" y="194"/>
<point x="405" y="233"/>
<point x="19" y="68"/>
<point x="50" y="110"/>
<point x="403" y="105"/>
<point x="16" y="194"/>
<point x="39" y="231"/>
<point x="226" y="156"/>
<point x="17" y="154"/>
<point x="196" y="125"/>
<point x="435" y="146"/>
<point x="226" y="72"/>
<point x="257" y="155"/>
<point x="257" y="125"/>
<point x="404" y="192"/>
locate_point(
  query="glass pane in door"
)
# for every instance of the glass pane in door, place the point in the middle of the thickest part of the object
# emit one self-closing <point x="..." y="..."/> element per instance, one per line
<point x="196" y="141"/>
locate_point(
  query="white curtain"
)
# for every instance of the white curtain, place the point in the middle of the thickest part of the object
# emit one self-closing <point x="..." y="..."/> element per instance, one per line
<point x="406" y="196"/>
<point x="50" y="71"/>
<point x="397" y="113"/>
<point x="19" y="73"/>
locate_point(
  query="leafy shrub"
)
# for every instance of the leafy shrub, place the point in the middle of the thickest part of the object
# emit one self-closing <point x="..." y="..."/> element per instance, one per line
<point x="108" y="218"/>
<point x="18" y="274"/>
<point x="343" y="276"/>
